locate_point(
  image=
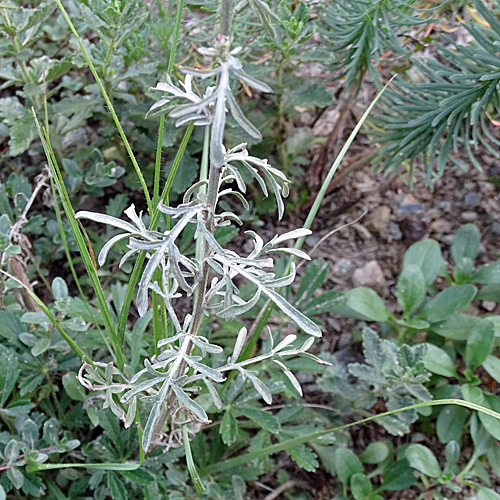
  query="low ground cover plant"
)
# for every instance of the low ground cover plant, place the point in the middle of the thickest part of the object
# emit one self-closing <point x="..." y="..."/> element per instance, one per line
<point x="163" y="351"/>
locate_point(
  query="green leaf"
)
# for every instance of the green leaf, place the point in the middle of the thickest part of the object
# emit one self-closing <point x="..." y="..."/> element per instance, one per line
<point x="492" y="365"/>
<point x="139" y="476"/>
<point x="228" y="428"/>
<point x="466" y="243"/>
<point x="364" y="304"/>
<point x="426" y="255"/>
<point x="487" y="494"/>
<point x="263" y="418"/>
<point x="457" y="327"/>
<point x="375" y="453"/>
<point x="9" y="372"/>
<point x="423" y="460"/>
<point x="398" y="476"/>
<point x="16" y="477"/>
<point x="22" y="132"/>
<point x="448" y="302"/>
<point x="59" y="288"/>
<point x="116" y="486"/>
<point x="73" y="387"/>
<point x="450" y="423"/>
<point x="11" y="451"/>
<point x="361" y="487"/>
<point x="3" y="495"/>
<point x="491" y="424"/>
<point x="347" y="464"/>
<point x="489" y="274"/>
<point x="490" y="292"/>
<point x="438" y="361"/>
<point x="479" y="344"/>
<point x="304" y="457"/>
<point x="411" y="288"/>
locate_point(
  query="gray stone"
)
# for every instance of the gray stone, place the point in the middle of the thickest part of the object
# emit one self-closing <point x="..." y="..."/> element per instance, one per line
<point x="495" y="228"/>
<point x="472" y="199"/>
<point x="394" y="231"/>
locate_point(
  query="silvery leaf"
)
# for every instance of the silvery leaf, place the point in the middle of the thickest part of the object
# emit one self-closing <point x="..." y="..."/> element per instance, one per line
<point x="101" y="259"/>
<point x="303" y="322"/>
<point x="296" y="233"/>
<point x="107" y="219"/>
<point x="238" y="346"/>
<point x="206" y="346"/>
<point x="192" y="189"/>
<point x="238" y="195"/>
<point x="213" y="393"/>
<point x="284" y="281"/>
<point x="126" y="257"/>
<point x="179" y="210"/>
<point x="253" y="82"/>
<point x="136" y="219"/>
<point x="199" y="120"/>
<point x="130" y="417"/>
<point x="261" y="388"/>
<point x="241" y="119"/>
<point x="170" y="340"/>
<point x="209" y="372"/>
<point x="202" y="73"/>
<point x="294" y="251"/>
<point x="237" y="177"/>
<point x="169" y="354"/>
<point x="285" y="342"/>
<point x="217" y="133"/>
<point x="290" y="376"/>
<point x="229" y="313"/>
<point x="184" y="400"/>
<point x="143" y="386"/>
<point x="277" y="192"/>
<point x="253" y="172"/>
<point x="153" y="416"/>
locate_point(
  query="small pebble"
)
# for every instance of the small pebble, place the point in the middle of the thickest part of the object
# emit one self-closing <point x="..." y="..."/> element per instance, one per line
<point x="370" y="275"/>
<point x="342" y="267"/>
<point x="488" y="305"/>
<point x="394" y="231"/>
<point x="472" y="199"/>
<point x="495" y="228"/>
<point x="469" y="216"/>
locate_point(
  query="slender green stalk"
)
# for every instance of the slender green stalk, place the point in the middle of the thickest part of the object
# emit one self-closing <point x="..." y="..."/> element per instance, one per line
<point x="156" y="185"/>
<point x="203" y="176"/>
<point x="269" y="450"/>
<point x="117" y="352"/>
<point x="72" y="266"/>
<point x="195" y="477"/>
<point x="110" y="107"/>
<point x="321" y="194"/>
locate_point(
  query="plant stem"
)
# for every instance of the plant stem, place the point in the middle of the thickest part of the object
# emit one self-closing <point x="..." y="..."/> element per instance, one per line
<point x="226" y="17"/>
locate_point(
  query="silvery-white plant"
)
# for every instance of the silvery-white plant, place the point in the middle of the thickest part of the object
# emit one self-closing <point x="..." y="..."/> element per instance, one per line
<point x="169" y="380"/>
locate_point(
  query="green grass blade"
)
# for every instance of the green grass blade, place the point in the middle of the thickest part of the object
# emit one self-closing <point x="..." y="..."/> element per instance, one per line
<point x="110" y="106"/>
<point x="72" y="266"/>
<point x="117" y="352"/>
<point x="195" y="477"/>
<point x="333" y="169"/>
<point x="269" y="450"/>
